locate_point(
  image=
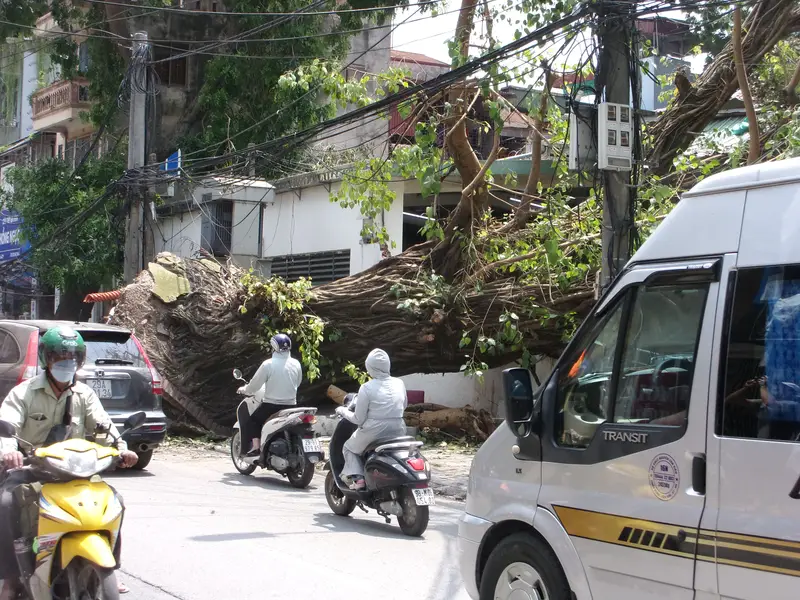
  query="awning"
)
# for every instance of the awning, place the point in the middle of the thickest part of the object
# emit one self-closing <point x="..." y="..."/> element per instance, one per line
<point x="102" y="296"/>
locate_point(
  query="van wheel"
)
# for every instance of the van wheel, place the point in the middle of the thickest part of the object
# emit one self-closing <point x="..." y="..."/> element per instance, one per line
<point x="144" y="460"/>
<point x="522" y="567"/>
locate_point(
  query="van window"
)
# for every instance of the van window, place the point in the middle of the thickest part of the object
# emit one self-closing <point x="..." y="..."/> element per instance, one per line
<point x="642" y="376"/>
<point x="761" y="392"/>
<point x="584" y="387"/>
<point x="658" y="363"/>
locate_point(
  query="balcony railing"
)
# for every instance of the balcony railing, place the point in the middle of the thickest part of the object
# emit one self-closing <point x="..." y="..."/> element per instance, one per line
<point x="61" y="95"/>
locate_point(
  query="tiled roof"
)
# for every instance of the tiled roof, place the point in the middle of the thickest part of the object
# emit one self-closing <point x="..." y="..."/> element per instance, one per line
<point x="417" y="58"/>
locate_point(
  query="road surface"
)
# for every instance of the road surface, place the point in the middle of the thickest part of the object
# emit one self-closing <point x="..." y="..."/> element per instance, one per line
<point x="197" y="530"/>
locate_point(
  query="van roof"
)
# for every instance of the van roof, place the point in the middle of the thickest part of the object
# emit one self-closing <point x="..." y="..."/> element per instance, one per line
<point x="771" y="173"/>
<point x="709" y="218"/>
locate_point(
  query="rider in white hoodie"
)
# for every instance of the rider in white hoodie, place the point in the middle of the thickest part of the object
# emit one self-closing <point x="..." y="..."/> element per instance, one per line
<point x="379" y="414"/>
<point x="280" y="376"/>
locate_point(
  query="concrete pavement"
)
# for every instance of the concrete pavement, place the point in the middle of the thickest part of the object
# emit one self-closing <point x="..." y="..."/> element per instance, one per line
<point x="197" y="530"/>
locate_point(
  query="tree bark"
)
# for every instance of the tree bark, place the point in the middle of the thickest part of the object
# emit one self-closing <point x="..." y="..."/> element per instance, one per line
<point x="72" y="307"/>
<point x="768" y="22"/>
<point x="741" y="75"/>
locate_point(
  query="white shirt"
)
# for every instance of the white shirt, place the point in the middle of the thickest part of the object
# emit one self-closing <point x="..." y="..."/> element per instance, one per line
<point x="280" y="376"/>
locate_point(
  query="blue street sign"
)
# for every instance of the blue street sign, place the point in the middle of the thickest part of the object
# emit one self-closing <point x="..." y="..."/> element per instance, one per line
<point x="173" y="163"/>
<point x="11" y="246"/>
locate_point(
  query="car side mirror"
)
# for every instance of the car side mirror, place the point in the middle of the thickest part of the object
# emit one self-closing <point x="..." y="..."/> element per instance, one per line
<point x="135" y="421"/>
<point x="7" y="430"/>
<point x="518" y="400"/>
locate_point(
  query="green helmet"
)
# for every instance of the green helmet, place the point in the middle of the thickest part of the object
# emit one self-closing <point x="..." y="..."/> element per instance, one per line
<point x="61" y="343"/>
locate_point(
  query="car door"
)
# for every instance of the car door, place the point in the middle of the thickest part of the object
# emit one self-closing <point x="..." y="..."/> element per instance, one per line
<point x="757" y="505"/>
<point x="624" y="418"/>
<point x="10" y="361"/>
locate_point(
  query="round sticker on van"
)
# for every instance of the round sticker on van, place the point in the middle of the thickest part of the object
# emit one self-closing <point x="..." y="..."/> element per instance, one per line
<point x="665" y="478"/>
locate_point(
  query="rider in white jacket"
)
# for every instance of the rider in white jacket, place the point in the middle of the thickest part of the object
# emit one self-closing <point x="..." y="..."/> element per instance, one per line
<point x="280" y="376"/>
<point x="379" y="414"/>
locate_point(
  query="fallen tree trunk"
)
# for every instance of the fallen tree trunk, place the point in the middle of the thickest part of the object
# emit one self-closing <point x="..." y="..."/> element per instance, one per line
<point x="187" y="315"/>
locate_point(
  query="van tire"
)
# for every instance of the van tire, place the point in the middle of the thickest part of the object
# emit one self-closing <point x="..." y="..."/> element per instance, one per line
<point x="525" y="548"/>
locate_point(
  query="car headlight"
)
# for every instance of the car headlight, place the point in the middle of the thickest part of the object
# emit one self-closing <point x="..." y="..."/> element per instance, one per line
<point x="80" y="464"/>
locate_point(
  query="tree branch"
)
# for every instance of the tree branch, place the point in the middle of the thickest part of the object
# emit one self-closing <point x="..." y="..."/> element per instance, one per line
<point x="482" y="173"/>
<point x="741" y="74"/>
<point x="790" y="91"/>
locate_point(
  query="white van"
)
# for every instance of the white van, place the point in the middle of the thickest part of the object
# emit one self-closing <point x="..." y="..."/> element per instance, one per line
<point x="661" y="459"/>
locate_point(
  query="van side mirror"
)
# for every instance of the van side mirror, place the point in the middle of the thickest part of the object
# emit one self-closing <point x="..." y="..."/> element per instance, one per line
<point x="518" y="399"/>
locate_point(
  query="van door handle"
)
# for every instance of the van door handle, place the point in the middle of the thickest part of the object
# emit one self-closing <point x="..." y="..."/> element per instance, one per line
<point x="699" y="474"/>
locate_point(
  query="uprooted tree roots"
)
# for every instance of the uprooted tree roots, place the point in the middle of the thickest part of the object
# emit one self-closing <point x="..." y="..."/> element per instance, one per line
<point x="189" y="316"/>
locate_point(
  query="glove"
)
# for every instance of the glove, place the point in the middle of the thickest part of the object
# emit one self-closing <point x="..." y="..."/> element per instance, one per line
<point x="241" y="391"/>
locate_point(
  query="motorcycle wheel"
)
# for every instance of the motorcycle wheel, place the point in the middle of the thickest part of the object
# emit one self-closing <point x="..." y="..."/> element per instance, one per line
<point x="87" y="581"/>
<point x="301" y="477"/>
<point x="339" y="503"/>
<point x="236" y="446"/>
<point x="414" y="520"/>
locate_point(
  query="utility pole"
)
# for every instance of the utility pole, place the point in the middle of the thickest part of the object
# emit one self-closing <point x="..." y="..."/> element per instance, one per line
<point x="615" y="66"/>
<point x="134" y="230"/>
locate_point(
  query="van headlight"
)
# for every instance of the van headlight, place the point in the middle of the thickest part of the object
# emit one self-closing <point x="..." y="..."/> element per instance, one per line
<point x="80" y="464"/>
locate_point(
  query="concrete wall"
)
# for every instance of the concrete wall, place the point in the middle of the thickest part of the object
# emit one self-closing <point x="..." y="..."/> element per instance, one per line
<point x="369" y="53"/>
<point x="457" y="390"/>
<point x="305" y="221"/>
<point x="182" y="233"/>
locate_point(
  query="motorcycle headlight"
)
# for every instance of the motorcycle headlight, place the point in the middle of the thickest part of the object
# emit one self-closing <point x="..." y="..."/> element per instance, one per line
<point x="80" y="464"/>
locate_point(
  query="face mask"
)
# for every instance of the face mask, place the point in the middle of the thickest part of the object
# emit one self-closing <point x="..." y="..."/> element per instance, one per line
<point x="64" y="371"/>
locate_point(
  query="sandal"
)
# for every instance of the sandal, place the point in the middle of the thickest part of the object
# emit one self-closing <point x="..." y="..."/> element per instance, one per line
<point x="122" y="588"/>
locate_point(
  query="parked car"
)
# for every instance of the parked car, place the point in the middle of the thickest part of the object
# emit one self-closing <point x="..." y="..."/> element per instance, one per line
<point x="116" y="367"/>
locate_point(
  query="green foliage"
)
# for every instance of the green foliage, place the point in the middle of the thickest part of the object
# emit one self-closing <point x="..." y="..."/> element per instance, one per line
<point x="241" y="90"/>
<point x="18" y="16"/>
<point x="91" y="253"/>
<point x="286" y="302"/>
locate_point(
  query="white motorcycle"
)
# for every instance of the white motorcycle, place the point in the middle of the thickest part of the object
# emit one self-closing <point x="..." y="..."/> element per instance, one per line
<point x="289" y="445"/>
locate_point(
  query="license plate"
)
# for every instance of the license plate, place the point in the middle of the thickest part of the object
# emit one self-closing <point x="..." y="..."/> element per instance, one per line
<point x="101" y="387"/>
<point x="311" y="445"/>
<point x="424" y="496"/>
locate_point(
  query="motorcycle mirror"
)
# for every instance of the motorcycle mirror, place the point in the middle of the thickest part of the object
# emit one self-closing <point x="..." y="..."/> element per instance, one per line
<point x="237" y="374"/>
<point x="7" y="429"/>
<point x="135" y="421"/>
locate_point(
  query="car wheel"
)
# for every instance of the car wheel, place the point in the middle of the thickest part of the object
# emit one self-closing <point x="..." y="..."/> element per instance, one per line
<point x="144" y="460"/>
<point x="523" y="567"/>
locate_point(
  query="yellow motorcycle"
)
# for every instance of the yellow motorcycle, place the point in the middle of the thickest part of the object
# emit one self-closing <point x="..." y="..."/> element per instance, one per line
<point x="78" y="517"/>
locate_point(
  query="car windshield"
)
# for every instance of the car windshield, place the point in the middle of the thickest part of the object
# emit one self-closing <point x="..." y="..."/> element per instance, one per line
<point x="111" y="348"/>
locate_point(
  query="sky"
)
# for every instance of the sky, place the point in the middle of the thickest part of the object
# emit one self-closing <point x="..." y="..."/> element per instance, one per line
<point x="429" y="35"/>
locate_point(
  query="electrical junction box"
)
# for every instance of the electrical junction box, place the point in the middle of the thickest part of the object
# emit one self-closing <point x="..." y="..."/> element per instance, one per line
<point x="614" y="137"/>
<point x="582" y="140"/>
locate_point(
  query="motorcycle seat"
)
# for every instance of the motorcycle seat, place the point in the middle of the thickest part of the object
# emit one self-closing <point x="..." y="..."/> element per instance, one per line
<point x="392" y="440"/>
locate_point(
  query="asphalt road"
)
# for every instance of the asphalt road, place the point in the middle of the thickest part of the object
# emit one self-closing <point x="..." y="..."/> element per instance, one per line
<point x="197" y="530"/>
